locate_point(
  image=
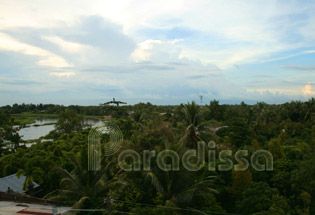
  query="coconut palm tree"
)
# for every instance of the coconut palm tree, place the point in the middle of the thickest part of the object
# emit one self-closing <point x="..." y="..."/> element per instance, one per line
<point x="138" y="119"/>
<point x="197" y="129"/>
<point x="179" y="187"/>
<point x="84" y="188"/>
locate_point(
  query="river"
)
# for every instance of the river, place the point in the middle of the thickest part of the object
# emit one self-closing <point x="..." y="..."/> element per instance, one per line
<point x="42" y="127"/>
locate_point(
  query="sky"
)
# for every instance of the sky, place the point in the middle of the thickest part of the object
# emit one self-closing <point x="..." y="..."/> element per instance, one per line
<point x="160" y="51"/>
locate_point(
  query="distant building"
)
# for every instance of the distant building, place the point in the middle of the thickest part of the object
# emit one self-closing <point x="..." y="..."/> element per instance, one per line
<point x="12" y="183"/>
<point x="107" y="117"/>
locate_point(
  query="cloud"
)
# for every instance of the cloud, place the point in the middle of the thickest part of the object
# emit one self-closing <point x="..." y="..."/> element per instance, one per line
<point x="167" y="33"/>
<point x="308" y="91"/>
<point x="62" y="74"/>
<point x="165" y="51"/>
<point x="156" y="50"/>
<point x="47" y="58"/>
<point x="67" y="45"/>
<point x="110" y="45"/>
<point x="91" y="41"/>
<point x="288" y="56"/>
<point x="20" y="82"/>
<point x="142" y="52"/>
<point x="308" y="30"/>
<point x="242" y="32"/>
<point x="299" y="67"/>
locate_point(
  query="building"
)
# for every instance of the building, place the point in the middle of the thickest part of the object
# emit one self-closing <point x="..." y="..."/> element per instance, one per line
<point x="14" y="184"/>
<point x="14" y="208"/>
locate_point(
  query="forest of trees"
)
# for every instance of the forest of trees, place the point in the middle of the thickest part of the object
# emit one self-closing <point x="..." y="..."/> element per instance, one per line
<point x="60" y="166"/>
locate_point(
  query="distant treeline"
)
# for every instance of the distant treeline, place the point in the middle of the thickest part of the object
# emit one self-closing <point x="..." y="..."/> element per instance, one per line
<point x="295" y="110"/>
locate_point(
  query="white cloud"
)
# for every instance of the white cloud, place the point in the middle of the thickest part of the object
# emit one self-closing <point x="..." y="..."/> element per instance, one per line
<point x="47" y="58"/>
<point x="62" y="74"/>
<point x="308" y="91"/>
<point x="107" y="52"/>
<point x="156" y="50"/>
<point x="143" y="50"/>
<point x="287" y="56"/>
<point x="292" y="91"/>
<point x="66" y="45"/>
<point x="253" y="23"/>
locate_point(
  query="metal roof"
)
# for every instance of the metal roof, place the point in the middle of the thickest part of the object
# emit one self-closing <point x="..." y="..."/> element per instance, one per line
<point x="12" y="208"/>
<point x="15" y="183"/>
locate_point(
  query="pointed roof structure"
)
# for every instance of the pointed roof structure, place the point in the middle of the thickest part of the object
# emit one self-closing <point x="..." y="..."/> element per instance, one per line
<point x="114" y="102"/>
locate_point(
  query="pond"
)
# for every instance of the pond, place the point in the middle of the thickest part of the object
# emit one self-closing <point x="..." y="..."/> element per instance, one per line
<point x="42" y="127"/>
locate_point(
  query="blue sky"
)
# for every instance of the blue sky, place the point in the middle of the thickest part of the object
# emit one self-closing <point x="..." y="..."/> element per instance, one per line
<point x="163" y="52"/>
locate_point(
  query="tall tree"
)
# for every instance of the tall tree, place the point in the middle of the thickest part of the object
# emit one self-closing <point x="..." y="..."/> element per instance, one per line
<point x="179" y="187"/>
<point x="82" y="187"/>
<point x="68" y="121"/>
<point x="197" y="128"/>
<point x="8" y="134"/>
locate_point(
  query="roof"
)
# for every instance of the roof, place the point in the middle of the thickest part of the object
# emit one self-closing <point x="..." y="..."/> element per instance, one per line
<point x="13" y="208"/>
<point x="15" y="183"/>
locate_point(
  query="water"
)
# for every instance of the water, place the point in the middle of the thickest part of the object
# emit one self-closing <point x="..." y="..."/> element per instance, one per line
<point x="38" y="129"/>
<point x="34" y="132"/>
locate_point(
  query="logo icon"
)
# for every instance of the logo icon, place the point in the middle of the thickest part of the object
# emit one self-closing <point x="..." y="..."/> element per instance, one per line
<point x="104" y="140"/>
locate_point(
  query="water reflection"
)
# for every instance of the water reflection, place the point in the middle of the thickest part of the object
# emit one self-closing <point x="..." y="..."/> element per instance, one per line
<point x="42" y="127"/>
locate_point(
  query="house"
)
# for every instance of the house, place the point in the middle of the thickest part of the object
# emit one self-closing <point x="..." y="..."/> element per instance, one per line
<point x="14" y="184"/>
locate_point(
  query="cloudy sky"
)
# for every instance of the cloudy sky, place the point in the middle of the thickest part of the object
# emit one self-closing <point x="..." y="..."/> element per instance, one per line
<point x="159" y="51"/>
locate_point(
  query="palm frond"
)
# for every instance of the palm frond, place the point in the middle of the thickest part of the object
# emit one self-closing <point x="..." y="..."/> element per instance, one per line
<point x="156" y="182"/>
<point x="79" y="204"/>
<point x="61" y="195"/>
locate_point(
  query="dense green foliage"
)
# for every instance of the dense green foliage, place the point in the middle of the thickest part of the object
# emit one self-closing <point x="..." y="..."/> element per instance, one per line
<point x="8" y="134"/>
<point x="60" y="165"/>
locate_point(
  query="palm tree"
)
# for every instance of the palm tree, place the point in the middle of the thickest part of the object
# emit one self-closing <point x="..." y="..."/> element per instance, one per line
<point x="179" y="187"/>
<point x="309" y="107"/>
<point x="82" y="187"/>
<point x="138" y="119"/>
<point x="197" y="129"/>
